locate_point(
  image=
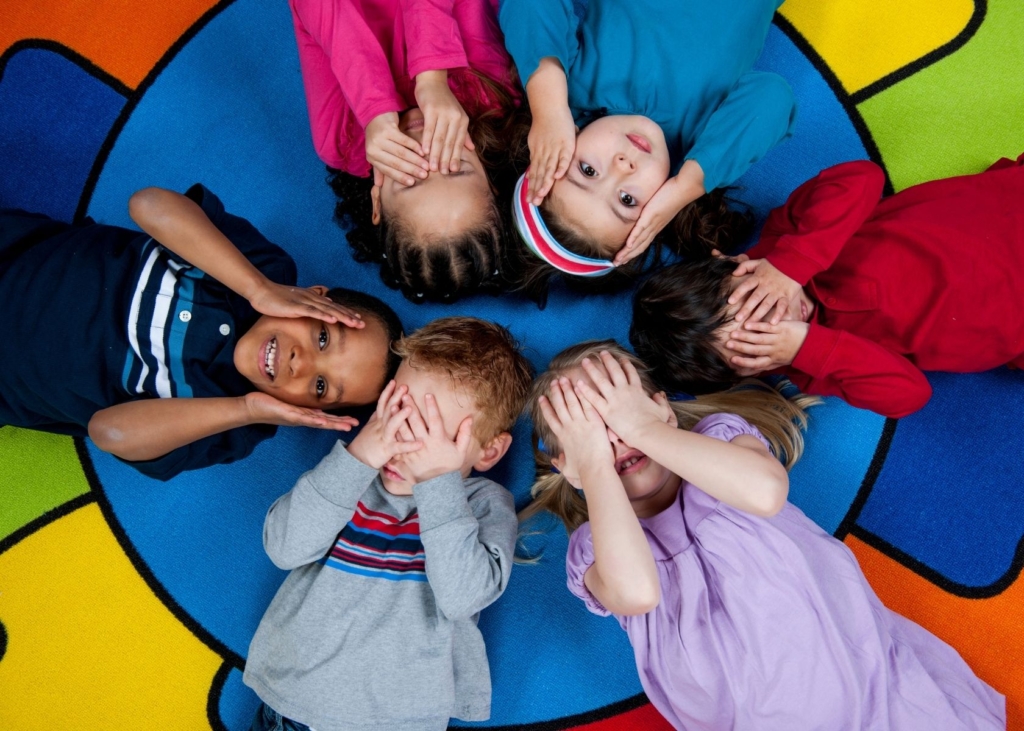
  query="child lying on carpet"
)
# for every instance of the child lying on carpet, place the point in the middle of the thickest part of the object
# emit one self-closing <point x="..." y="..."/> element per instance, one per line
<point x="420" y="94"/>
<point x="686" y="115"/>
<point x="395" y="549"/>
<point x="153" y="344"/>
<point x="742" y="613"/>
<point x="862" y="294"/>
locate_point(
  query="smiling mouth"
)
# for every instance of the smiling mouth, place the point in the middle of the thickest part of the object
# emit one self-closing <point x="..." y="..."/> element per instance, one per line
<point x="639" y="143"/>
<point x="270" y="358"/>
<point x="630" y="463"/>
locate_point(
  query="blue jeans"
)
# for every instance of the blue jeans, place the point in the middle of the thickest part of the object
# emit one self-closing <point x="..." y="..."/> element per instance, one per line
<point x="267" y="719"/>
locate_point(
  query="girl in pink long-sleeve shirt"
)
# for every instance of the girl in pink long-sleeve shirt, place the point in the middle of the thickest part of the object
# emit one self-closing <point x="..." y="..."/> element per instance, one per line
<point x="410" y="103"/>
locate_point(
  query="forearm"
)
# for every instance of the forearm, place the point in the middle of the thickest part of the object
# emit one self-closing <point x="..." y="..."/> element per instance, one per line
<point x="180" y="225"/>
<point x="150" y="428"/>
<point x="624" y="577"/>
<point x="468" y="558"/>
<point x="303" y="524"/>
<point x="747" y="479"/>
<point x="547" y="89"/>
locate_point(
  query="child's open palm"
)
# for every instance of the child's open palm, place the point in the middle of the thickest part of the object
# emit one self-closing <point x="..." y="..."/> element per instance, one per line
<point x="765" y="288"/>
<point x="278" y="300"/>
<point x="378" y="442"/>
<point x="621" y="400"/>
<point x="445" y="122"/>
<point x="393" y="153"/>
<point x="440" y="454"/>
<point x="761" y="346"/>
<point x="580" y="430"/>
<point x="265" y="409"/>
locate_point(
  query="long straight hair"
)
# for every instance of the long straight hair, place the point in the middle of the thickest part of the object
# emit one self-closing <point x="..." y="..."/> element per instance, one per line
<point x="780" y="419"/>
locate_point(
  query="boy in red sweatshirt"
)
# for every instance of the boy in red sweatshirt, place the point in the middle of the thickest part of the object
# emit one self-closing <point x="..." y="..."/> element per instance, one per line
<point x="852" y="296"/>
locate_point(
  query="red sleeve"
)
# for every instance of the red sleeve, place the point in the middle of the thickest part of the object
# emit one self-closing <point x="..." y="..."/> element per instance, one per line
<point x="804" y="237"/>
<point x="861" y="372"/>
<point x="343" y="67"/>
<point x="432" y="36"/>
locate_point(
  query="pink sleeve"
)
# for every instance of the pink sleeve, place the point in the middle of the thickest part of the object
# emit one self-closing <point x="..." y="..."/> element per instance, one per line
<point x="578" y="559"/>
<point x="345" y="73"/>
<point x="484" y="42"/>
<point x="432" y="36"/>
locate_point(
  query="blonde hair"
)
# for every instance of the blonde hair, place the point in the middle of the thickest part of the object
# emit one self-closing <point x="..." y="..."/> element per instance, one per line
<point x="781" y="420"/>
<point x="479" y="356"/>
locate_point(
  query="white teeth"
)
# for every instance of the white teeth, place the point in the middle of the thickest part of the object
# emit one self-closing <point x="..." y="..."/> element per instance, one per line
<point x="628" y="463"/>
<point x="271" y="351"/>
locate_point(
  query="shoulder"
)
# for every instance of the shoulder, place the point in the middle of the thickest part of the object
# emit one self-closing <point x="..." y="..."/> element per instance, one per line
<point x="480" y="490"/>
<point x="727" y="427"/>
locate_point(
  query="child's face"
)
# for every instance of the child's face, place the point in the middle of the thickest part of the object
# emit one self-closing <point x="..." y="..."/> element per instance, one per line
<point x="649" y="486"/>
<point x="311" y="363"/>
<point x="619" y="163"/>
<point x="445" y="206"/>
<point x="454" y="405"/>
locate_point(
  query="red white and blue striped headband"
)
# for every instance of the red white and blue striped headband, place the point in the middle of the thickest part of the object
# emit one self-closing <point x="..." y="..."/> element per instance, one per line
<point x="540" y="241"/>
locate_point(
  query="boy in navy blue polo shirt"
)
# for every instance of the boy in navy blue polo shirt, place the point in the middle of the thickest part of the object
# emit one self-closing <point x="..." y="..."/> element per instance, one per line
<point x="154" y="345"/>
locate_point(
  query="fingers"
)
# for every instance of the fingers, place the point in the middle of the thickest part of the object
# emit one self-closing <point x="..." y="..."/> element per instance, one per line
<point x="781" y="308"/>
<point x="760" y="327"/>
<point x="746" y="266"/>
<point x="396" y="422"/>
<point x="450" y="149"/>
<point x="463" y="437"/>
<point x="415" y="420"/>
<point x="562" y="167"/>
<point x="597" y="375"/>
<point x="615" y="372"/>
<point x="753" y="349"/>
<point x="541" y="180"/>
<point x="753" y="366"/>
<point x="640" y="237"/>
<point x="548" y="412"/>
<point x="588" y="395"/>
<point x="390" y="396"/>
<point x="339" y="423"/>
<point x="405" y="447"/>
<point x="557" y="400"/>
<point x="572" y="401"/>
<point x="469" y="140"/>
<point x="431" y="150"/>
<point x="632" y="375"/>
<point x="378" y="177"/>
<point x="765" y="307"/>
<point x="434" y="423"/>
<point x="754" y="299"/>
<point x="398" y="169"/>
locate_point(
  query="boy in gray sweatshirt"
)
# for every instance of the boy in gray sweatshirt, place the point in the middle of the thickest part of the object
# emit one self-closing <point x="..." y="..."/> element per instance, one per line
<point x="395" y="549"/>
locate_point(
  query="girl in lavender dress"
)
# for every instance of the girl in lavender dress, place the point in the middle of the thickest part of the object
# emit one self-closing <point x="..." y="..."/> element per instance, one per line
<point x="742" y="613"/>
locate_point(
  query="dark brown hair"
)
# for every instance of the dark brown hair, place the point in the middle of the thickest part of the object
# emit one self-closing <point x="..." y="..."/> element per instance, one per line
<point x="677" y="312"/>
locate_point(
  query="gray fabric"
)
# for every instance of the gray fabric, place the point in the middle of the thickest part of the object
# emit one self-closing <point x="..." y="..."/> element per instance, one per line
<point x="340" y="651"/>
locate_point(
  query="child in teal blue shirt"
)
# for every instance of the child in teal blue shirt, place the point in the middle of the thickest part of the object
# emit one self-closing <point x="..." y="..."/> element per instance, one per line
<point x="685" y="114"/>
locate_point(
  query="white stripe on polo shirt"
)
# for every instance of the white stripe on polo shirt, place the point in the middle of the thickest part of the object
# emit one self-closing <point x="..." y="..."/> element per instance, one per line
<point x="133" y="313"/>
<point x="161" y="309"/>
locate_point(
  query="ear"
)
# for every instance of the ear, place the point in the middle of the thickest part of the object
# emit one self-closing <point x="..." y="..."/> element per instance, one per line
<point x="559" y="464"/>
<point x="318" y="289"/>
<point x="375" y="200"/>
<point x="493" y="451"/>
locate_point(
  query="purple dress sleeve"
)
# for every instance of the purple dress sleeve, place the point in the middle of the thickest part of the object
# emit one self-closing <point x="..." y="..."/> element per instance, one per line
<point x="578" y="559"/>
<point x="727" y="427"/>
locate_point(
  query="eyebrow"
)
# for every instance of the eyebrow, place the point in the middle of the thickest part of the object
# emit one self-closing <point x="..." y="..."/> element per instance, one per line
<point x="458" y="174"/>
<point x="615" y="210"/>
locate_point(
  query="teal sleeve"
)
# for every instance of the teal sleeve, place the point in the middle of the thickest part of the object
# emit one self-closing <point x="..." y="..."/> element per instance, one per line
<point x="535" y="29"/>
<point x="755" y="116"/>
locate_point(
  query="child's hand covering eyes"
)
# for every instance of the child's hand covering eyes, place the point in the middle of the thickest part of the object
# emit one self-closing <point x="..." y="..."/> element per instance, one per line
<point x="621" y="400"/>
<point x="378" y="442"/>
<point x="673" y="196"/>
<point x="393" y="153"/>
<point x="761" y="346"/>
<point x="265" y="409"/>
<point x="277" y="300"/>
<point x="580" y="430"/>
<point x="766" y="287"/>
<point x="438" y="454"/>
<point x="445" y="122"/>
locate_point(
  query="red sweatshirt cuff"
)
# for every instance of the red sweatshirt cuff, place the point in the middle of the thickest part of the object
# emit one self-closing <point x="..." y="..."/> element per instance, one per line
<point x="814" y="354"/>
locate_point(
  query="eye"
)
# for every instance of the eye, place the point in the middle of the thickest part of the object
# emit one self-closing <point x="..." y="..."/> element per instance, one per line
<point x="627" y="200"/>
<point x="323" y="337"/>
<point x="321" y="386"/>
<point x="587" y="170"/>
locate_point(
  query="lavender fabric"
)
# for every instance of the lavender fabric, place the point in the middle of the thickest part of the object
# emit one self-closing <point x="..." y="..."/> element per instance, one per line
<point x="768" y="623"/>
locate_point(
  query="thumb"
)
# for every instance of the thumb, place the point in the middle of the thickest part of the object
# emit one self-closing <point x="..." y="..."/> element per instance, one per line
<point x="464" y="434"/>
<point x="378" y="177"/>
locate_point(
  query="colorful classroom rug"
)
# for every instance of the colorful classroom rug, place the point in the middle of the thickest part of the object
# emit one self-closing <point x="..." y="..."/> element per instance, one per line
<point x="128" y="603"/>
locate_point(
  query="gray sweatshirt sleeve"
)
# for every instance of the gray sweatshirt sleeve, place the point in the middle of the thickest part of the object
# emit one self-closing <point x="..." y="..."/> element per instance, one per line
<point x="469" y="542"/>
<point x="303" y="523"/>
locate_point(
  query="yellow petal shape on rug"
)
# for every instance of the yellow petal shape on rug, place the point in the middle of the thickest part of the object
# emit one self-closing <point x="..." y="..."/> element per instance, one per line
<point x="863" y="41"/>
<point x="89" y="646"/>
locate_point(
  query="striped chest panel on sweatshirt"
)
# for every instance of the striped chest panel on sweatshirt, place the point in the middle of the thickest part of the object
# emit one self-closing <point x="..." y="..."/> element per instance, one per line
<point x="379" y="546"/>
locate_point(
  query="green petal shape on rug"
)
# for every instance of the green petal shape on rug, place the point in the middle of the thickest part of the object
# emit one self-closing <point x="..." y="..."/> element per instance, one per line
<point x="38" y="472"/>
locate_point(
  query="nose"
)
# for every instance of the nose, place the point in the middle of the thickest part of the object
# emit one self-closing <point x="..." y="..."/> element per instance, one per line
<point x="297" y="363"/>
<point x="618" y="445"/>
<point x="624" y="163"/>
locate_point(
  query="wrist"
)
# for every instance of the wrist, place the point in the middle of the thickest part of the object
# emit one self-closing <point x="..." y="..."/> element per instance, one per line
<point x="690" y="181"/>
<point x="434" y="77"/>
